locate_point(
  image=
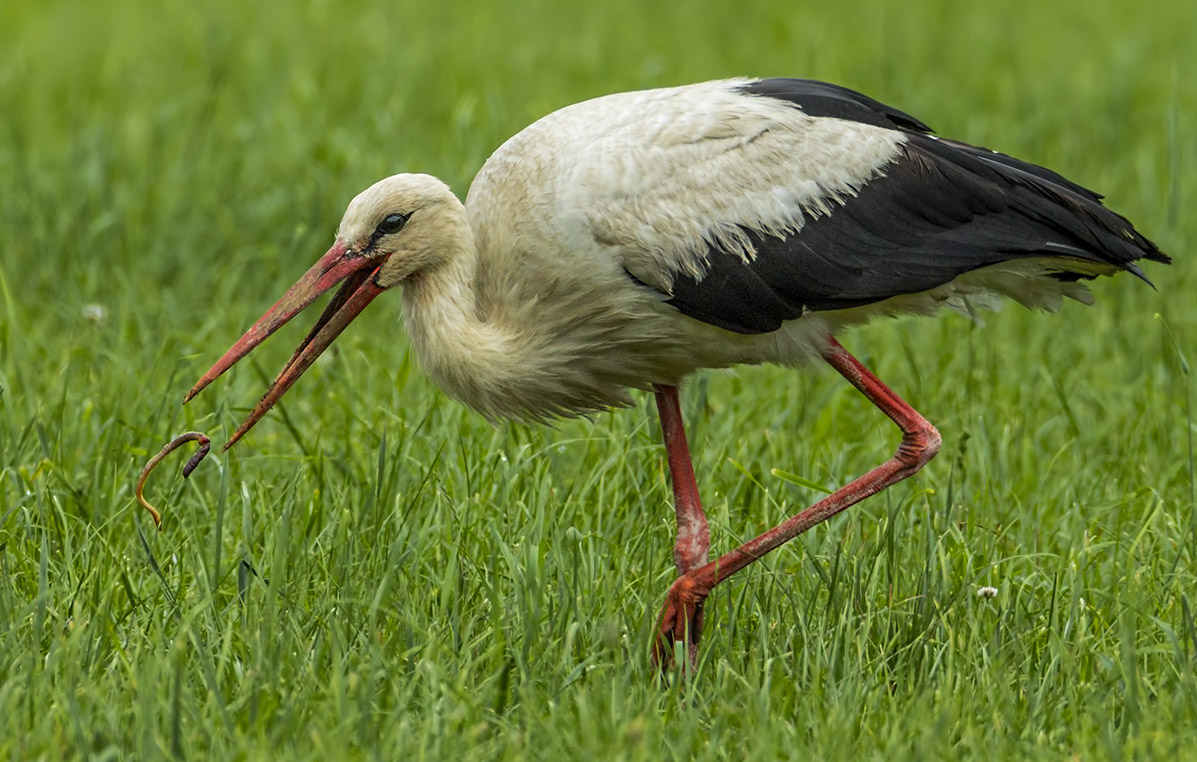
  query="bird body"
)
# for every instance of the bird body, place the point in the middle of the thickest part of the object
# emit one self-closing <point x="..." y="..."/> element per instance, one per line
<point x="556" y="300"/>
<point x="627" y="241"/>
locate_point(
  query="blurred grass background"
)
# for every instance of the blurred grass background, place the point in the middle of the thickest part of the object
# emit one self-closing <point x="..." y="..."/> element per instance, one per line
<point x="376" y="573"/>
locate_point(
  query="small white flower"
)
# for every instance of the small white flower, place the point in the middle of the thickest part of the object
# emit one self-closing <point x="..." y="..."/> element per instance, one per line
<point x="95" y="313"/>
<point x="987" y="592"/>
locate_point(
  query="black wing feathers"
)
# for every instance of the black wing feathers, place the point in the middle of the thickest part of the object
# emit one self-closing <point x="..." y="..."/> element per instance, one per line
<point x="825" y="99"/>
<point x="941" y="209"/>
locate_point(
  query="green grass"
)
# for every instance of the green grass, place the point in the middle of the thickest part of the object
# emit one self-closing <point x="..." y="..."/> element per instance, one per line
<point x="430" y="587"/>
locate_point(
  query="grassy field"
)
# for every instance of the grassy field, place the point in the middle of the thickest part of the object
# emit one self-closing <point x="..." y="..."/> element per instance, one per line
<point x="377" y="573"/>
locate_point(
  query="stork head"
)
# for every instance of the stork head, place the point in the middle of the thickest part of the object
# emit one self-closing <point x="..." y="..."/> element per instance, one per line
<point x="390" y="231"/>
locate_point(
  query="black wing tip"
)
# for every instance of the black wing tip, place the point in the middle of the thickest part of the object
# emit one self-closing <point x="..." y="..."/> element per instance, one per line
<point x="1136" y="271"/>
<point x="1152" y="254"/>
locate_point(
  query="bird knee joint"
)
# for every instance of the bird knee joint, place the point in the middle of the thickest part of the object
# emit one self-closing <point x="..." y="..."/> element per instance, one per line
<point x="689" y="591"/>
<point x="920" y="444"/>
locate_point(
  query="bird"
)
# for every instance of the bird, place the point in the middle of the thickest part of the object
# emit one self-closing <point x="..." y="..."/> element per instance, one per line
<point x="626" y="242"/>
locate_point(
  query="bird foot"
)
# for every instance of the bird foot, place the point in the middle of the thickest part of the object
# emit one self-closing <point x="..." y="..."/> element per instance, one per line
<point x="681" y="621"/>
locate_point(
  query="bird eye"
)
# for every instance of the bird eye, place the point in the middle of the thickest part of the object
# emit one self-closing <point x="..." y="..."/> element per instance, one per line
<point x="393" y="223"/>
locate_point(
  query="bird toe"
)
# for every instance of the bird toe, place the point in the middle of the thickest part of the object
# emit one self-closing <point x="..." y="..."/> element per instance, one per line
<point x="681" y="621"/>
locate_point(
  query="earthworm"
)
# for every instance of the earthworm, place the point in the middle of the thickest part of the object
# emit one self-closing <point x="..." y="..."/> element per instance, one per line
<point x="174" y="444"/>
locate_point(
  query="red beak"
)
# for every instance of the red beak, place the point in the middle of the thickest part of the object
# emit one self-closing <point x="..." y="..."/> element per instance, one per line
<point x="359" y="289"/>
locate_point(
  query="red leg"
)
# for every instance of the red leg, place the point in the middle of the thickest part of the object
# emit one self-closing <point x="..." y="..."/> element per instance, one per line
<point x="920" y="442"/>
<point x="691" y="550"/>
<point x="693" y="539"/>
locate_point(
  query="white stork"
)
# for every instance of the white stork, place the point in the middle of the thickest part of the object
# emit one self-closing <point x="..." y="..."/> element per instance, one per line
<point x="630" y="240"/>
